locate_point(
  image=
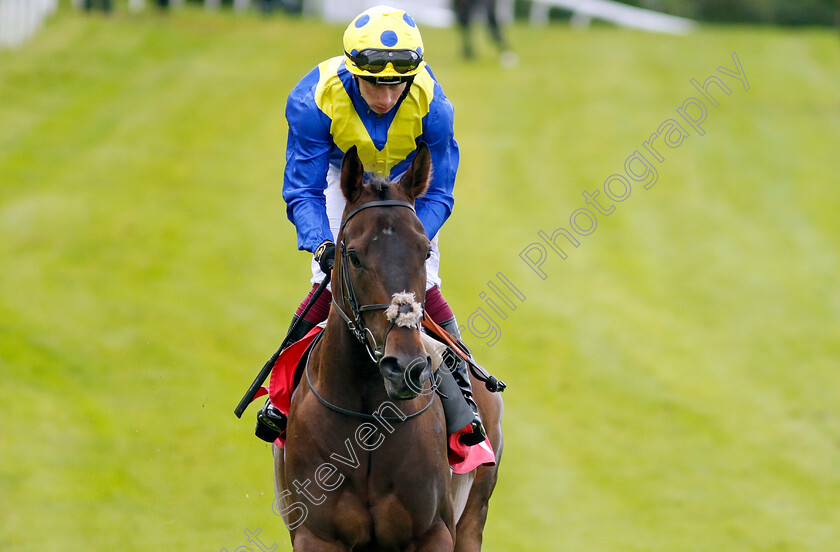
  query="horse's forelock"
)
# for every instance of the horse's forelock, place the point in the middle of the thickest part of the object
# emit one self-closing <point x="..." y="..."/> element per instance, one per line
<point x="381" y="187"/>
<point x="377" y="188"/>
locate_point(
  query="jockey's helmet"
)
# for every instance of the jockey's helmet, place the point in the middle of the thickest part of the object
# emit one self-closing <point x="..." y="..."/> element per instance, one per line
<point x="383" y="45"/>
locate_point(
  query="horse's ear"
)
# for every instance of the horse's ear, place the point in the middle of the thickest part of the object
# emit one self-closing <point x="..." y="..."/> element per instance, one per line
<point x="352" y="175"/>
<point x="415" y="181"/>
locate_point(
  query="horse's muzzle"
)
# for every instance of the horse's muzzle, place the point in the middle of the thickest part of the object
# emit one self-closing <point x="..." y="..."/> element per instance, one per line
<point x="405" y="377"/>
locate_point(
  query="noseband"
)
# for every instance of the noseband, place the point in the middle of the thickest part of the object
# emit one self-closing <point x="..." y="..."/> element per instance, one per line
<point x="355" y="322"/>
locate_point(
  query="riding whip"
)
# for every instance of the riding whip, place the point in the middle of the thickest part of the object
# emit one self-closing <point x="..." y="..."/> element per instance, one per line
<point x="258" y="381"/>
<point x="492" y="384"/>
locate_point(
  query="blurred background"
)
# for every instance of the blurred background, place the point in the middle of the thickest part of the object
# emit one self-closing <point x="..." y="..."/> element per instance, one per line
<point x="673" y="382"/>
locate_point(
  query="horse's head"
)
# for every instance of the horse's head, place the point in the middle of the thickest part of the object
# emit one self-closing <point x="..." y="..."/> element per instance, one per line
<point x="380" y="274"/>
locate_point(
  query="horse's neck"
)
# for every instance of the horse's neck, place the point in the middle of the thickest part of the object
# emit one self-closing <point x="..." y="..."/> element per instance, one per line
<point x="343" y="362"/>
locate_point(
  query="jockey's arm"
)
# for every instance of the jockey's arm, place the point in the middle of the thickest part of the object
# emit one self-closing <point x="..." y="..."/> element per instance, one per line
<point x="307" y="162"/>
<point x="438" y="132"/>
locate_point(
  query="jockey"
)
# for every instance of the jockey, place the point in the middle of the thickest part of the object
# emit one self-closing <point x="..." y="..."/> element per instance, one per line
<point x="382" y="97"/>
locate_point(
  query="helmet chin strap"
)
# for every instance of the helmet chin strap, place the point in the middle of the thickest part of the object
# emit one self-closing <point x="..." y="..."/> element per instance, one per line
<point x="407" y="87"/>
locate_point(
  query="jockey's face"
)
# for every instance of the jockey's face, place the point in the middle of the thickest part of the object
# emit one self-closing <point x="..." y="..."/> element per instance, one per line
<point x="381" y="97"/>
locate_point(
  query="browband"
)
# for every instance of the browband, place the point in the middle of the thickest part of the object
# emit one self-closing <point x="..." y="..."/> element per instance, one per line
<point x="381" y="203"/>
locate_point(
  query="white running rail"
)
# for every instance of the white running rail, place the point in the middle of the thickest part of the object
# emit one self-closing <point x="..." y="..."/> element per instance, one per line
<point x="583" y="11"/>
<point x="20" y="19"/>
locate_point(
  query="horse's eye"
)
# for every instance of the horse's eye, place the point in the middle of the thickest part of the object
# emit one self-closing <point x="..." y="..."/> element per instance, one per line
<point x="429" y="253"/>
<point x="354" y="259"/>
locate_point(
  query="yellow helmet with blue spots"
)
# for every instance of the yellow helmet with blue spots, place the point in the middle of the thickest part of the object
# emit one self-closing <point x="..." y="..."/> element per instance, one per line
<point x="383" y="42"/>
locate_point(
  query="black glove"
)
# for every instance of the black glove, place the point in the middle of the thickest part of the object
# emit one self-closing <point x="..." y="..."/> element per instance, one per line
<point x="325" y="256"/>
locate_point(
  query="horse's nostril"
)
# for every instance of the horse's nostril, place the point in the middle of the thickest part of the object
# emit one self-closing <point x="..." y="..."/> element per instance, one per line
<point x="420" y="369"/>
<point x="390" y="366"/>
<point x="417" y="372"/>
<point x="408" y="374"/>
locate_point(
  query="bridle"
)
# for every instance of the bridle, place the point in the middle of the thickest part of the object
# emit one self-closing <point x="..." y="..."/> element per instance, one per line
<point x="355" y="322"/>
<point x="357" y="325"/>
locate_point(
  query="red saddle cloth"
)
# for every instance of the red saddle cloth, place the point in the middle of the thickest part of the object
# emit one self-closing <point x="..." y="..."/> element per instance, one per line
<point x="281" y="385"/>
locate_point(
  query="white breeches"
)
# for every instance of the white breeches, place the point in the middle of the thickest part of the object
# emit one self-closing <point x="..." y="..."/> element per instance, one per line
<point x="335" y="208"/>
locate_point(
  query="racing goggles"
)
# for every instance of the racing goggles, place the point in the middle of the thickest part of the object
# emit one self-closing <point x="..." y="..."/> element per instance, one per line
<point x="373" y="60"/>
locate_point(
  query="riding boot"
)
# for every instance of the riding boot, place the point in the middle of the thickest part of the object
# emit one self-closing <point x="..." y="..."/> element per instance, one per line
<point x="271" y="423"/>
<point x="303" y="328"/>
<point x="457" y="412"/>
<point x="461" y="376"/>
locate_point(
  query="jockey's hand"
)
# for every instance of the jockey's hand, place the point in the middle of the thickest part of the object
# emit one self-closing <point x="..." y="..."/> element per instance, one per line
<point x="325" y="256"/>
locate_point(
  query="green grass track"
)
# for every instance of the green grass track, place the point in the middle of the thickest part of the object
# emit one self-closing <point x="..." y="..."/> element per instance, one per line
<point x="673" y="382"/>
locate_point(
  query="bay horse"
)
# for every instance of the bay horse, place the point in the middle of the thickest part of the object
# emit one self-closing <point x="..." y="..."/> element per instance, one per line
<point x="365" y="466"/>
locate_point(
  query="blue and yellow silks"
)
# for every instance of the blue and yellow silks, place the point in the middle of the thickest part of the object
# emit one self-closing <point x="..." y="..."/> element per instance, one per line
<point x="327" y="115"/>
